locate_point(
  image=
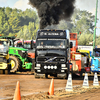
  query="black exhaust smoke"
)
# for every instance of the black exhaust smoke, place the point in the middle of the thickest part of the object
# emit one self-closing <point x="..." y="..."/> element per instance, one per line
<point x="52" y="11"/>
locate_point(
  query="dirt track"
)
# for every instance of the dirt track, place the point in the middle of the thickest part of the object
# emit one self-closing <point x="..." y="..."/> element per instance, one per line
<point x="31" y="86"/>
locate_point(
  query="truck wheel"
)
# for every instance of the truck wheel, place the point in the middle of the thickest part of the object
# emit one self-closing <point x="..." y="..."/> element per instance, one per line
<point x="46" y="75"/>
<point x="81" y="72"/>
<point x="82" y="69"/>
<point x="15" y="64"/>
<point x="55" y="75"/>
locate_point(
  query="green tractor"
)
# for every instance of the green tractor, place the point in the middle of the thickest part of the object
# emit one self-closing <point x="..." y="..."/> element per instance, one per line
<point x="5" y="65"/>
<point x="18" y="57"/>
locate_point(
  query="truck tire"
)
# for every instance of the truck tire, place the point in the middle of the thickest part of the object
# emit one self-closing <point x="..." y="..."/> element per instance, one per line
<point x="15" y="64"/>
<point x="82" y="69"/>
<point x="46" y="75"/>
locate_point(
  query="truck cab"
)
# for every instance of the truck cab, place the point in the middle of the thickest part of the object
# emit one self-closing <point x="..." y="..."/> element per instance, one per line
<point x="52" y="53"/>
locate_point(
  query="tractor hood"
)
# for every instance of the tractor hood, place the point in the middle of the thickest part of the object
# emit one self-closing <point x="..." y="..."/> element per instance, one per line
<point x="18" y="48"/>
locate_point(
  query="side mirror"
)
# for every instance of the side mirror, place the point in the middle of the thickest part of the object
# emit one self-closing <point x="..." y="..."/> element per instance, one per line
<point x="71" y="44"/>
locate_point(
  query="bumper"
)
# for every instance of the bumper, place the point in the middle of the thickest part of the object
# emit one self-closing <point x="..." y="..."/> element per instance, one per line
<point x="3" y="65"/>
<point x="50" y="71"/>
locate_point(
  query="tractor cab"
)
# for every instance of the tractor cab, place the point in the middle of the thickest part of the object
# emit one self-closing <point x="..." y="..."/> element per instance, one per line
<point x="5" y="65"/>
<point x="3" y="46"/>
<point x="18" y="56"/>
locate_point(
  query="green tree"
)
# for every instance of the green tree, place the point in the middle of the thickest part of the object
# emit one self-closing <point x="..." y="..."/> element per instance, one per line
<point x="85" y="39"/>
<point x="28" y="32"/>
<point x="4" y="27"/>
<point x="83" y="21"/>
<point x="24" y="33"/>
<point x="13" y="22"/>
<point x="98" y="40"/>
<point x="8" y="11"/>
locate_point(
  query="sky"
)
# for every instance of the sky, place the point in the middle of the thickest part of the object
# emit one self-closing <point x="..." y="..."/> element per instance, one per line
<point x="89" y="5"/>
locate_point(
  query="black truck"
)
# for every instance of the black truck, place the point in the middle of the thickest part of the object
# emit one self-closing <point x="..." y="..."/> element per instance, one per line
<point x="52" y="54"/>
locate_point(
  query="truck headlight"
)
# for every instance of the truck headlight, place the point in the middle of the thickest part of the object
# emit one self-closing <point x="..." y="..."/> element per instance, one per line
<point x="38" y="65"/>
<point x="48" y="67"/>
<point x="55" y="67"/>
<point x="45" y="67"/>
<point x="63" y="65"/>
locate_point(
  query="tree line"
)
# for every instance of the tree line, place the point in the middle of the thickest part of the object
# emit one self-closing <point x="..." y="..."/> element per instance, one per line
<point x="16" y="21"/>
<point x="25" y="24"/>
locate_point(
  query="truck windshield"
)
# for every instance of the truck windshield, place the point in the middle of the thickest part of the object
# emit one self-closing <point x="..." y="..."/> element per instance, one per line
<point x="51" y="43"/>
<point x="3" y="46"/>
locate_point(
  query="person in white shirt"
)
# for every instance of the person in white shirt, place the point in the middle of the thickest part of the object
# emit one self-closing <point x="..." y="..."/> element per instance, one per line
<point x="61" y="45"/>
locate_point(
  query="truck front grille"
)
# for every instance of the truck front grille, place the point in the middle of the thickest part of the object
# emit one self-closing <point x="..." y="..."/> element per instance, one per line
<point x="50" y="59"/>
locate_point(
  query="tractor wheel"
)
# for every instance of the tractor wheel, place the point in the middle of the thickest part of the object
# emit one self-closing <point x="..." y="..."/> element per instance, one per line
<point x="15" y="64"/>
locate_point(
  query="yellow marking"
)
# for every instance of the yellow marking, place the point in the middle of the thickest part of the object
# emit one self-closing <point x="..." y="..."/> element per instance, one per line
<point x="3" y="65"/>
<point x="12" y="64"/>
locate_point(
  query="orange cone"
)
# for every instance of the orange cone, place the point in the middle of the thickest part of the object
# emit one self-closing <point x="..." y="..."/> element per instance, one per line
<point x="17" y="95"/>
<point x="51" y="88"/>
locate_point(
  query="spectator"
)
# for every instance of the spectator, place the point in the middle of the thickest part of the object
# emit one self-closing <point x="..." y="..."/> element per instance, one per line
<point x="61" y="45"/>
<point x="41" y="44"/>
